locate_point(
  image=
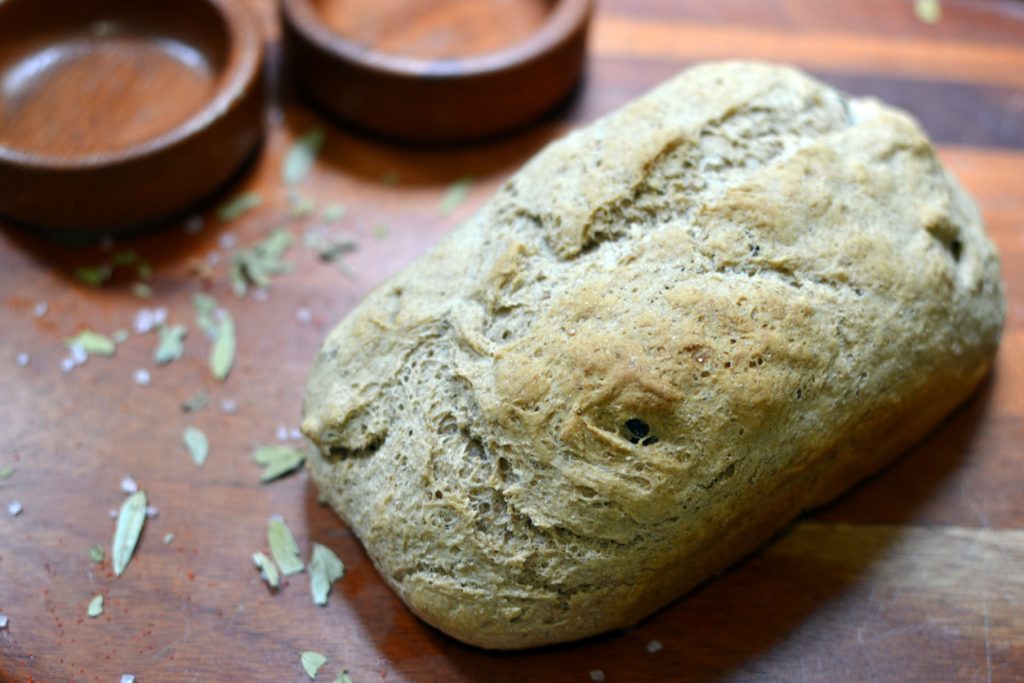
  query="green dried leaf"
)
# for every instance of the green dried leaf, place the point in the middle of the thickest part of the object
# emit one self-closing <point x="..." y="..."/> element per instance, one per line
<point x="324" y="569"/>
<point x="142" y="290"/>
<point x="330" y="248"/>
<point x="206" y="314"/>
<point x="928" y="11"/>
<point x="302" y="155"/>
<point x="196" y="403"/>
<point x="94" y="343"/>
<point x="222" y="353"/>
<point x="333" y="213"/>
<point x="168" y="538"/>
<point x="256" y="264"/>
<point x="170" y="344"/>
<point x="6" y="472"/>
<point x="283" y="547"/>
<point x="277" y="460"/>
<point x="95" y="606"/>
<point x="268" y="571"/>
<point x="344" y="677"/>
<point x="311" y="662"/>
<point x="94" y="276"/>
<point x="302" y="207"/>
<point x="456" y="194"/>
<point x="96" y="554"/>
<point x="130" y="521"/>
<point x="197" y="445"/>
<point x="239" y="206"/>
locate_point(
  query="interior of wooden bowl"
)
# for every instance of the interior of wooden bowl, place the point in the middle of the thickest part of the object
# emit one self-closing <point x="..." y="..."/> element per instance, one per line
<point x="435" y="29"/>
<point x="93" y="77"/>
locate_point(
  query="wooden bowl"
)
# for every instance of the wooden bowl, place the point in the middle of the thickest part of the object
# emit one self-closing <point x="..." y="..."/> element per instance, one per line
<point x="114" y="113"/>
<point x="436" y="70"/>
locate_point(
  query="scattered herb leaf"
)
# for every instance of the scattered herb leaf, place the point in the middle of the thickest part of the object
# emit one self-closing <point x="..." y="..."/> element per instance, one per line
<point x="197" y="444"/>
<point x="239" y="206"/>
<point x="324" y="569"/>
<point x="344" y="677"/>
<point x="302" y="155"/>
<point x="257" y="264"/>
<point x="283" y="547"/>
<point x="333" y="213"/>
<point x="168" y="538"/>
<point x="206" y="314"/>
<point x="456" y="194"/>
<point x="171" y="343"/>
<point x="6" y="471"/>
<point x="130" y="520"/>
<point x="196" y="403"/>
<point x="277" y="460"/>
<point x="142" y="290"/>
<point x="144" y="270"/>
<point x="312" y="662"/>
<point x="93" y="343"/>
<point x="222" y="353"/>
<point x="95" y="606"/>
<point x="928" y="11"/>
<point x="302" y="206"/>
<point x="268" y="571"/>
<point x="94" y="276"/>
<point x="96" y="554"/>
<point x="331" y="249"/>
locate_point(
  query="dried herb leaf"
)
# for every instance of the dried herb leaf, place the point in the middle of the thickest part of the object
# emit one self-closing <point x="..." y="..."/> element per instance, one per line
<point x="142" y="290"/>
<point x="93" y="343"/>
<point x="239" y="206"/>
<point x="130" y="520"/>
<point x="196" y="403"/>
<point x="928" y="11"/>
<point x="333" y="213"/>
<point x="302" y="207"/>
<point x="168" y="538"/>
<point x="312" y="662"/>
<point x="95" y="606"/>
<point x="324" y="569"/>
<point x="94" y="276"/>
<point x="170" y="344"/>
<point x="257" y="264"/>
<point x="206" y="314"/>
<point x="222" y="353"/>
<point x="197" y="445"/>
<point x="456" y="194"/>
<point x="6" y="471"/>
<point x="344" y="677"/>
<point x="268" y="571"/>
<point x="283" y="547"/>
<point x="144" y="270"/>
<point x="96" y="554"/>
<point x="277" y="460"/>
<point x="302" y="155"/>
<point x="331" y="249"/>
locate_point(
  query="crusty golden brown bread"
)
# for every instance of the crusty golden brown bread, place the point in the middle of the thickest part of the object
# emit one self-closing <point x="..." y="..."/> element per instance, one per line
<point x="659" y="342"/>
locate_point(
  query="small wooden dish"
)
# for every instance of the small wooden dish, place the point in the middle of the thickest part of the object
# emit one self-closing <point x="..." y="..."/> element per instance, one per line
<point x="436" y="70"/>
<point x="114" y="113"/>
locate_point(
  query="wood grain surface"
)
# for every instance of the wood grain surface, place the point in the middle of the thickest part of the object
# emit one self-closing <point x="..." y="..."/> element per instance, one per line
<point x="915" y="575"/>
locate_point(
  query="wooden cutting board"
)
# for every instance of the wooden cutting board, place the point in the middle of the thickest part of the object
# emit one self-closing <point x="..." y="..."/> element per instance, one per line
<point x="916" y="575"/>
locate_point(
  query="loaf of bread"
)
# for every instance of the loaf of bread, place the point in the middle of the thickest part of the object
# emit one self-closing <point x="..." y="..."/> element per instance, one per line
<point x="658" y="343"/>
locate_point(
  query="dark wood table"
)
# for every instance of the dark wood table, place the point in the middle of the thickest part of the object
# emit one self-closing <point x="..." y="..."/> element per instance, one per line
<point x="915" y="575"/>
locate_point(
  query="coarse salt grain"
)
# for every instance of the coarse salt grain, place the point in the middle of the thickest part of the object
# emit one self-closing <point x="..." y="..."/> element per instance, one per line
<point x="159" y="316"/>
<point x="40" y="309"/>
<point x="654" y="646"/>
<point x="597" y="675"/>
<point x="227" y="241"/>
<point x="78" y="354"/>
<point x="303" y="315"/>
<point x="22" y="359"/>
<point x="152" y="511"/>
<point x="142" y="377"/>
<point x="127" y="678"/>
<point x="67" y="364"/>
<point x="14" y="508"/>
<point x="143" y="322"/>
<point x="128" y="485"/>
<point x="260" y="295"/>
<point x="4" y="621"/>
<point x="294" y="434"/>
<point x="112" y="513"/>
<point x="282" y="433"/>
<point x="229" y="406"/>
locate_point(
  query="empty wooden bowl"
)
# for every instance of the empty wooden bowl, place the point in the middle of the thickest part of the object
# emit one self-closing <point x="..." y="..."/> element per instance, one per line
<point x="114" y="113"/>
<point x="436" y="70"/>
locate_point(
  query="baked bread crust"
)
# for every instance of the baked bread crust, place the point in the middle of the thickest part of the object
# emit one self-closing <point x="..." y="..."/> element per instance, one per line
<point x="658" y="343"/>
